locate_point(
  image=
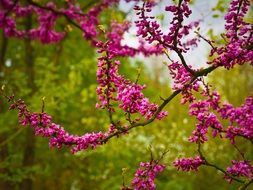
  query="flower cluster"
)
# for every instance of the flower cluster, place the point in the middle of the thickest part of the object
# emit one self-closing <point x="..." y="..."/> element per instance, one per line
<point x="9" y="26"/>
<point x="202" y="111"/>
<point x="114" y="87"/>
<point x="238" y="34"/>
<point x="47" y="16"/>
<point x="115" y="48"/>
<point x="150" y="30"/>
<point x="240" y="168"/>
<point x="242" y="117"/>
<point x="177" y="30"/>
<point x="45" y="32"/>
<point x="188" y="164"/>
<point x="179" y="75"/>
<point x="145" y="175"/>
<point x="182" y="81"/>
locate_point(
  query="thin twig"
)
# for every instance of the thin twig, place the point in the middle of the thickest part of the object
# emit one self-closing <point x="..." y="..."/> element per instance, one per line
<point x="206" y="40"/>
<point x="206" y="163"/>
<point x="240" y="152"/>
<point x="246" y="185"/>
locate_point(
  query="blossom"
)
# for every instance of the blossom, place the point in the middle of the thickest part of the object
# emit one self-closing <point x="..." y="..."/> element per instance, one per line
<point x="238" y="36"/>
<point x="188" y="164"/>
<point x="240" y="169"/>
<point x="114" y="87"/>
<point x="145" y="175"/>
<point x="57" y="135"/>
<point x="241" y="116"/>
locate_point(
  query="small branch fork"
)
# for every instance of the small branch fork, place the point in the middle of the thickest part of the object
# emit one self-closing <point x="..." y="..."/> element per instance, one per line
<point x="206" y="40"/>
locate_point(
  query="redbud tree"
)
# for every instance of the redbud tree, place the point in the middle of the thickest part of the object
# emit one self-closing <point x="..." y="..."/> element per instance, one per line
<point x="116" y="91"/>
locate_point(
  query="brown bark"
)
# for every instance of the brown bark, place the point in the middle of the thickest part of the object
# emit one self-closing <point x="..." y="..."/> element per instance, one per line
<point x="4" y="44"/>
<point x="4" y="152"/>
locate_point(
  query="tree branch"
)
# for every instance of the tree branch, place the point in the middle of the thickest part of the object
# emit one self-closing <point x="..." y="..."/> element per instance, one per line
<point x="180" y="55"/>
<point x="203" y="72"/>
<point x="206" y="40"/>
<point x="206" y="163"/>
<point x="56" y="12"/>
<point x="246" y="185"/>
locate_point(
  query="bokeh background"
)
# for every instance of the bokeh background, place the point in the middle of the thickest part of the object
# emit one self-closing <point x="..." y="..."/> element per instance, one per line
<point x="65" y="73"/>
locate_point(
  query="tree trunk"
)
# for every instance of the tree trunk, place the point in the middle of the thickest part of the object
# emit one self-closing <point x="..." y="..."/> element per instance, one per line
<point x="4" y="152"/>
<point x="29" y="150"/>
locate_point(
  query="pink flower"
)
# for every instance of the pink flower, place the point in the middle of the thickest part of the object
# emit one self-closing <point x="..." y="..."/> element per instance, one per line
<point x="240" y="169"/>
<point x="145" y="175"/>
<point x="188" y="164"/>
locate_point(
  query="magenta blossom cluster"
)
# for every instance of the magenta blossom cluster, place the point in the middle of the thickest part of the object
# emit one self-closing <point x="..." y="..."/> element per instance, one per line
<point x="58" y="137"/>
<point x="181" y="81"/>
<point x="188" y="164"/>
<point x="205" y="117"/>
<point x="145" y="175"/>
<point x="240" y="168"/>
<point x="150" y="30"/>
<point x="241" y="119"/>
<point x="238" y="37"/>
<point x="88" y="22"/>
<point x="114" y="87"/>
<point x="47" y="17"/>
<point x="45" y="32"/>
<point x="207" y="112"/>
<point x="177" y="30"/>
<point x="179" y="75"/>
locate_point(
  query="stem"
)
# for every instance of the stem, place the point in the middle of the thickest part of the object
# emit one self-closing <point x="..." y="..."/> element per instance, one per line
<point x="206" y="163"/>
<point x="223" y="171"/>
<point x="174" y="46"/>
<point x="180" y="20"/>
<point x="206" y="40"/>
<point x="246" y="185"/>
<point x="132" y="101"/>
<point x="240" y="152"/>
<point x="107" y="92"/>
<point x="236" y="18"/>
<point x="179" y="53"/>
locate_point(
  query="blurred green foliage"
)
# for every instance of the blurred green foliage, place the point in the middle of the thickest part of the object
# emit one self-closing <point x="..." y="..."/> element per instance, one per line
<point x="65" y="74"/>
